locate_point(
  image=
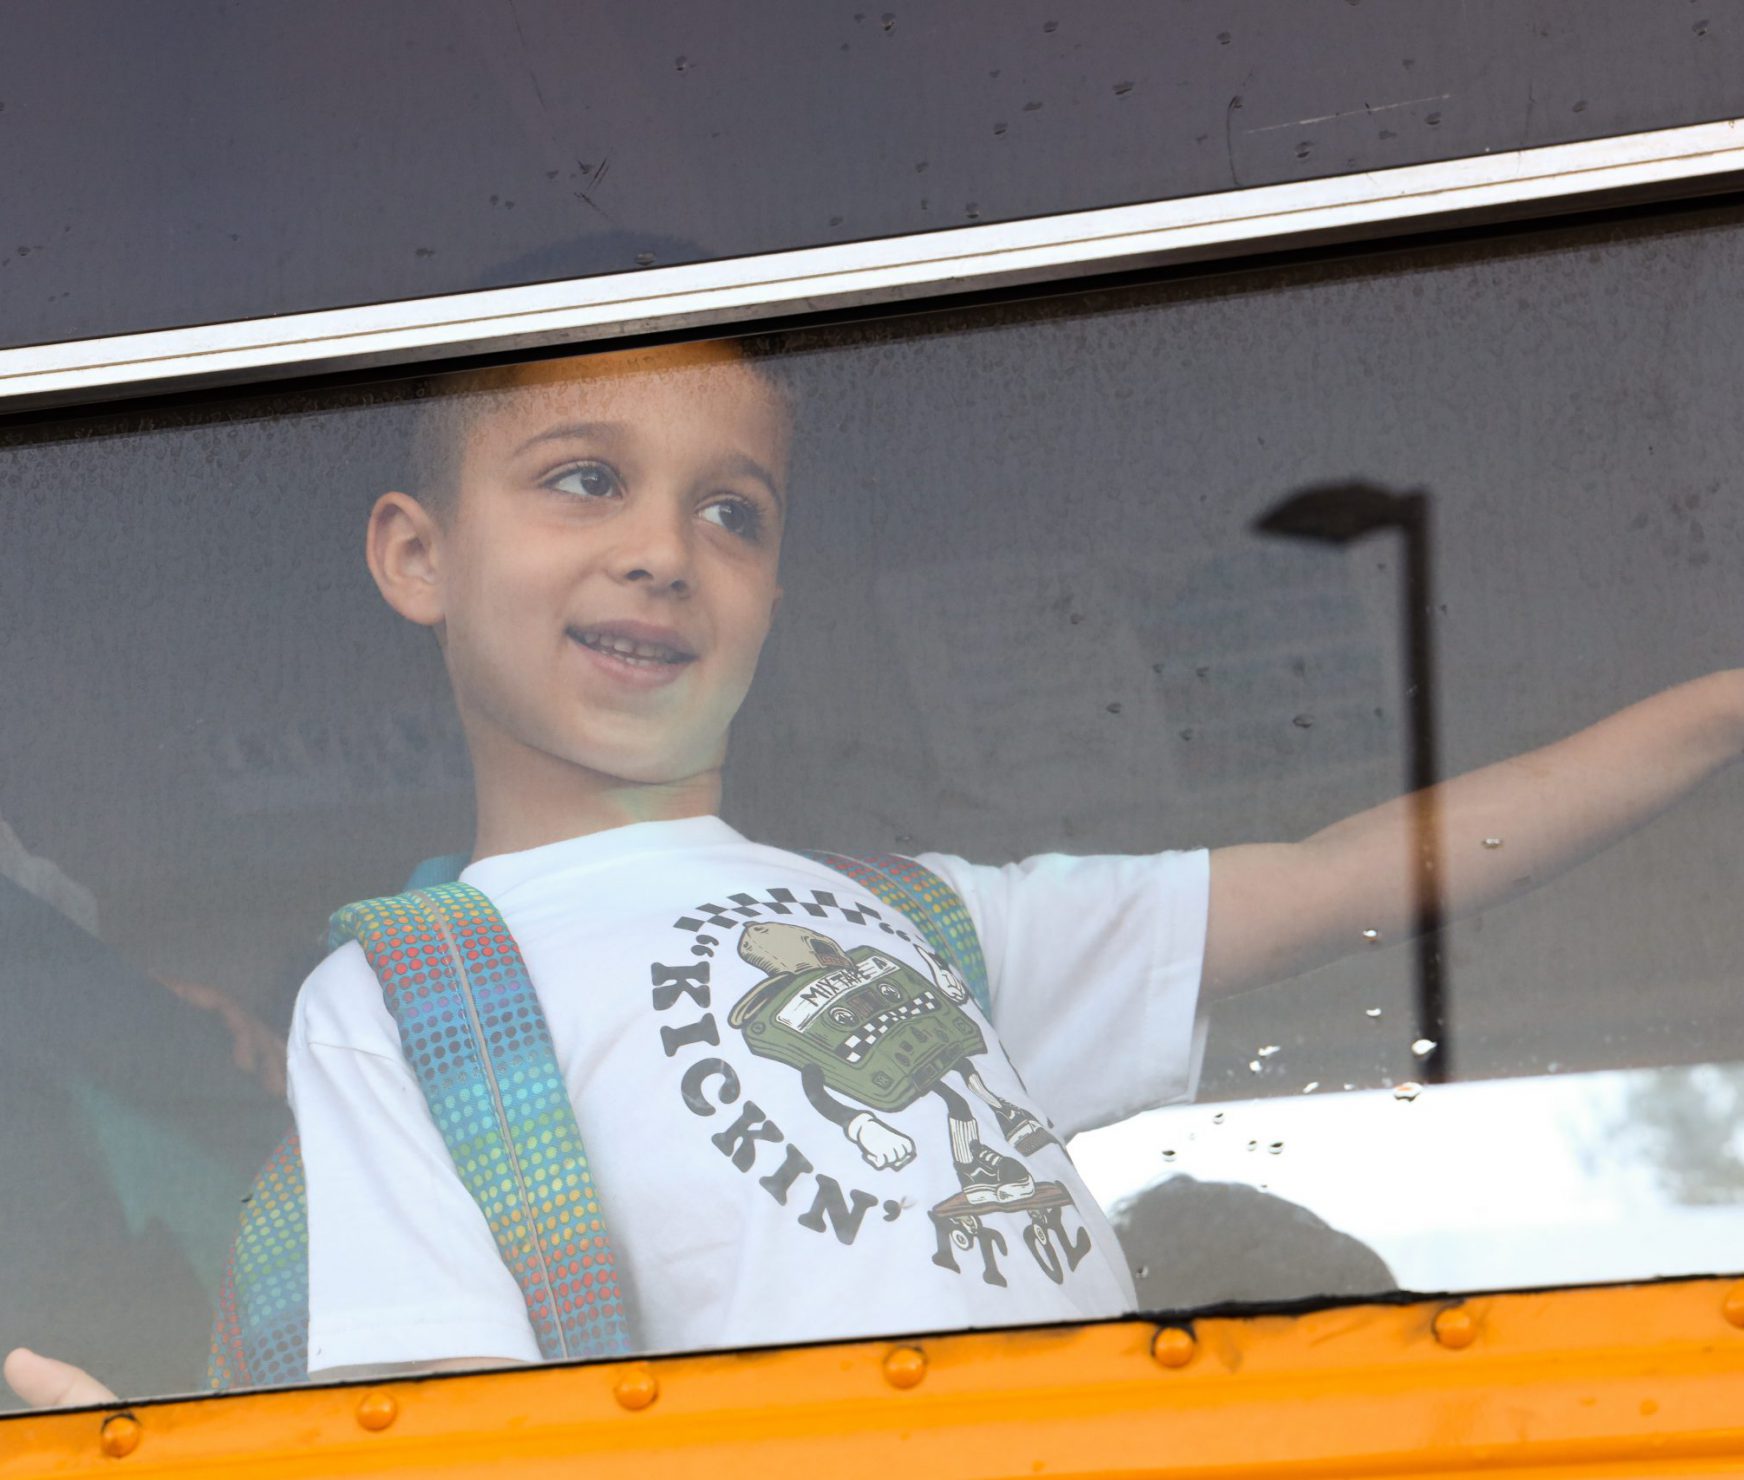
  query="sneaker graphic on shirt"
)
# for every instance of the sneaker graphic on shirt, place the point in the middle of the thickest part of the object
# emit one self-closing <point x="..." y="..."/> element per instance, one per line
<point x="1023" y="1130"/>
<point x="992" y="1178"/>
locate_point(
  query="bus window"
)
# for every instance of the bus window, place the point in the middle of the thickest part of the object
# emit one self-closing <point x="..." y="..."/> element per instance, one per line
<point x="886" y="828"/>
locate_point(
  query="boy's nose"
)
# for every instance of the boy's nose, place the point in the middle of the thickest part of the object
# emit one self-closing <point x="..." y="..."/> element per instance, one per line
<point x="656" y="550"/>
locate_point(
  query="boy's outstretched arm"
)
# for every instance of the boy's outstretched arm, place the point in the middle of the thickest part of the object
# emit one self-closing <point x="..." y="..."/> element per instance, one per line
<point x="1280" y="908"/>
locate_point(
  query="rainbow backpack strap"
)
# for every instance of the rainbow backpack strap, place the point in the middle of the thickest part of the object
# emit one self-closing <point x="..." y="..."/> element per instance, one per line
<point x="934" y="906"/>
<point x="476" y="1038"/>
<point x="260" y="1337"/>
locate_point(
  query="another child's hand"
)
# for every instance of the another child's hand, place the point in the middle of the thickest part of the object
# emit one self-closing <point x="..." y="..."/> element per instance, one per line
<point x="45" y="1383"/>
<point x="254" y="1047"/>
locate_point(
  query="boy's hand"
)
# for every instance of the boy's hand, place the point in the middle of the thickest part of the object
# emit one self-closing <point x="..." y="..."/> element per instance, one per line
<point x="883" y="1146"/>
<point x="45" y="1383"/>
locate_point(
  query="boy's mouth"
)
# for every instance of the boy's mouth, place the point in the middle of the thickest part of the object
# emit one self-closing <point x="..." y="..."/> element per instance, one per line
<point x="637" y="649"/>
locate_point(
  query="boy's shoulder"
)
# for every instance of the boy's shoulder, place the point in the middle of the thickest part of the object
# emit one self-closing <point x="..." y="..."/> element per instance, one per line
<point x="340" y="1005"/>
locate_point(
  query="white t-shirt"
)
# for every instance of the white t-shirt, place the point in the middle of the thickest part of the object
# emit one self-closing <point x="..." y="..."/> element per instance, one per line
<point x="902" y="1183"/>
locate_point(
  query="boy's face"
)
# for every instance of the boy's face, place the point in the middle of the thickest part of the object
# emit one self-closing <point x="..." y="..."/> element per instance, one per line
<point x="607" y="569"/>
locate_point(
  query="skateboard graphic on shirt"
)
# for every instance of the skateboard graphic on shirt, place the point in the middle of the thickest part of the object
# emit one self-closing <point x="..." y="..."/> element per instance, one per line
<point x="960" y="1224"/>
<point x="869" y="1033"/>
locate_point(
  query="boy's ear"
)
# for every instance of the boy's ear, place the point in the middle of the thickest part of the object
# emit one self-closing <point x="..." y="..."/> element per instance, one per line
<point x="403" y="549"/>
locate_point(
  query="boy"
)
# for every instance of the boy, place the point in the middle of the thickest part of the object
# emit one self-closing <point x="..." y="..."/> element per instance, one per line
<point x="599" y="561"/>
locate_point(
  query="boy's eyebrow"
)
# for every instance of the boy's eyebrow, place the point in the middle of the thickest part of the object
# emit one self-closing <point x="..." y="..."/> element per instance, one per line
<point x="568" y="430"/>
<point x="740" y="465"/>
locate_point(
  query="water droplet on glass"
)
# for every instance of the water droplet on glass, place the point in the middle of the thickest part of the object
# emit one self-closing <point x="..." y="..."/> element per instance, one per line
<point x="1310" y="1086"/>
<point x="1217" y="1119"/>
<point x="1168" y="1156"/>
<point x="1303" y="721"/>
<point x="1253" y="1145"/>
<point x="1373" y="1012"/>
<point x="1407" y="1091"/>
<point x="1492" y="843"/>
<point x="1253" y="1066"/>
<point x="644" y="259"/>
<point x="1268" y="1050"/>
<point x="1275" y="1147"/>
<point x="1423" y="1047"/>
<point x="1373" y="937"/>
<point x="1121" y="89"/>
<point x="1141" y="1271"/>
<point x="888" y="20"/>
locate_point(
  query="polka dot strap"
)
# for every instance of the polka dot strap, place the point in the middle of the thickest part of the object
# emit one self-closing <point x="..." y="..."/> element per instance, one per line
<point x="260" y="1337"/>
<point x="933" y="905"/>
<point x="473" y="1032"/>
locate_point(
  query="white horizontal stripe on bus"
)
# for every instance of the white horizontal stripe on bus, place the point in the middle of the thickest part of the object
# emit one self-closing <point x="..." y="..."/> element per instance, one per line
<point x="885" y="270"/>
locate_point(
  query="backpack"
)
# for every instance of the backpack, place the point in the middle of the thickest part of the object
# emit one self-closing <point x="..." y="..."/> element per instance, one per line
<point x="472" y="1030"/>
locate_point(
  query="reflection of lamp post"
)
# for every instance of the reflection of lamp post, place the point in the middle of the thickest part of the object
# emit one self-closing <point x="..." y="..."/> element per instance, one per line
<point x="1341" y="514"/>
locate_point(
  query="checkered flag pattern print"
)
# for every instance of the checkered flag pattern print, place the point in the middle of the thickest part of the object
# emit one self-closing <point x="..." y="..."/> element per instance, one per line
<point x="853" y="1047"/>
<point x="926" y="899"/>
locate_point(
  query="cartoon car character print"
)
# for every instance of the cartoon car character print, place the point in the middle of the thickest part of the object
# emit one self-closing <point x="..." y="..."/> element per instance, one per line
<point x="869" y="1033"/>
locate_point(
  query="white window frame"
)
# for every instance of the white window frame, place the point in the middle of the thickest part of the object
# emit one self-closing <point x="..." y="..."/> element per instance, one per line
<point x="1518" y="184"/>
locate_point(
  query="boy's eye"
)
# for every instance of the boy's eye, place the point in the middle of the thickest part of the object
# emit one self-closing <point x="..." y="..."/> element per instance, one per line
<point x="588" y="480"/>
<point x="736" y="516"/>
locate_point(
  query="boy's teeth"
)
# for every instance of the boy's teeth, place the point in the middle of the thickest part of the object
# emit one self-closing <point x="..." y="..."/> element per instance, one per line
<point x="623" y="647"/>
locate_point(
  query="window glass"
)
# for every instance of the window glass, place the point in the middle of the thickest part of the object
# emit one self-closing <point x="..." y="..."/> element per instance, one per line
<point x="1044" y="602"/>
<point x="457" y="147"/>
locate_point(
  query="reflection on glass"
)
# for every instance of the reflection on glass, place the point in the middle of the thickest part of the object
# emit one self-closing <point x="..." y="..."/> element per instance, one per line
<point x="1580" y="1179"/>
<point x="614" y="1061"/>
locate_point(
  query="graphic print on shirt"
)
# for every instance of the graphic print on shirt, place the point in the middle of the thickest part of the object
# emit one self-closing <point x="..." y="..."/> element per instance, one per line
<point x="869" y="1032"/>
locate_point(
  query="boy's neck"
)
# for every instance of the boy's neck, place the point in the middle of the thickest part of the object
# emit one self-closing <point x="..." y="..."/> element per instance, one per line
<point x="537" y="799"/>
